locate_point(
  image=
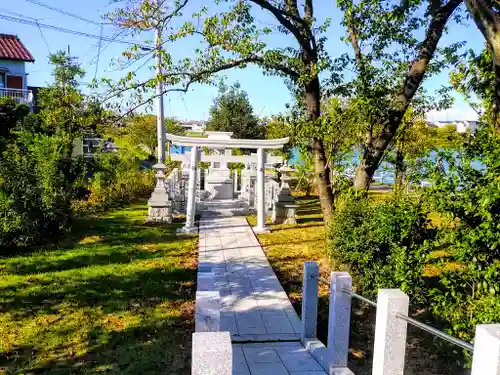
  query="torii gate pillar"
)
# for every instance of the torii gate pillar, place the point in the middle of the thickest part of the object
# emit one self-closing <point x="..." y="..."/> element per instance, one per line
<point x="261" y="200"/>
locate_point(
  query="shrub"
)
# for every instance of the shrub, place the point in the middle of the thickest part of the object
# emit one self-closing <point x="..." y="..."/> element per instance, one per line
<point x="466" y="190"/>
<point x="384" y="245"/>
<point x="37" y="178"/>
<point x="116" y="179"/>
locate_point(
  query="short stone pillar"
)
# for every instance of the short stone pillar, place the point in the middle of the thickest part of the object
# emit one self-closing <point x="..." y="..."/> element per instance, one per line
<point x="390" y="333"/>
<point x="486" y="360"/>
<point x="339" y="318"/>
<point x="235" y="182"/>
<point x="160" y="207"/>
<point x="309" y="316"/>
<point x="285" y="208"/>
<point x="248" y="181"/>
<point x="212" y="353"/>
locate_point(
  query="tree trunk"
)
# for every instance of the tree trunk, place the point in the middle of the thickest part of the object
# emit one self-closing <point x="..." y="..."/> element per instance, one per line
<point x="375" y="148"/>
<point x="496" y="115"/>
<point x="321" y="168"/>
<point x="399" y="171"/>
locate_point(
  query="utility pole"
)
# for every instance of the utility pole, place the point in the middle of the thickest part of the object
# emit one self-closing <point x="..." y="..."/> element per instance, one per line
<point x="160" y="121"/>
<point x="160" y="207"/>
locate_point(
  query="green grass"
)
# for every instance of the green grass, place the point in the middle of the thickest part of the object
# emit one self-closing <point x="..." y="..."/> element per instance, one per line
<point x="116" y="298"/>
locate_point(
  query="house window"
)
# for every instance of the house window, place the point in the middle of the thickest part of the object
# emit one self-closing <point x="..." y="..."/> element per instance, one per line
<point x="14" y="82"/>
<point x="2" y="80"/>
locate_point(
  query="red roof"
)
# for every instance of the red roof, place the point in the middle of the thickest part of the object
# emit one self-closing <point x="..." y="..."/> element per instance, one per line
<point x="11" y="48"/>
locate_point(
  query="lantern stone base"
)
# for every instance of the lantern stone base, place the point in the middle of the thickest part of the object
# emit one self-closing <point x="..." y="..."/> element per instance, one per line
<point x="284" y="213"/>
<point x="160" y="213"/>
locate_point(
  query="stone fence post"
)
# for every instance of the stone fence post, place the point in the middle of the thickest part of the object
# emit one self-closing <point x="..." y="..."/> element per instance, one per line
<point x="212" y="354"/>
<point x="339" y="318"/>
<point x="390" y="333"/>
<point x="309" y="301"/>
<point x="486" y="359"/>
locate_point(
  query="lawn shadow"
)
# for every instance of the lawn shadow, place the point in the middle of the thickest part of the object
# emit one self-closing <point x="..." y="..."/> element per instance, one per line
<point x="155" y="346"/>
<point x="108" y="292"/>
<point x="114" y="240"/>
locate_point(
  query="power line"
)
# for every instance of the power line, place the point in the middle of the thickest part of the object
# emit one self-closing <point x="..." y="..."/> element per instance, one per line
<point x="64" y="12"/>
<point x="64" y="30"/>
<point x="32" y="18"/>
<point x="43" y="36"/>
<point x="98" y="54"/>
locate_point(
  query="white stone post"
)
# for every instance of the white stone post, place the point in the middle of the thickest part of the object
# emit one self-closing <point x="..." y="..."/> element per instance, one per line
<point x="261" y="199"/>
<point x="212" y="353"/>
<point x="390" y="333"/>
<point x="309" y="318"/>
<point x="486" y="360"/>
<point x="191" y="202"/>
<point x="198" y="185"/>
<point x="339" y="318"/>
<point x="235" y="182"/>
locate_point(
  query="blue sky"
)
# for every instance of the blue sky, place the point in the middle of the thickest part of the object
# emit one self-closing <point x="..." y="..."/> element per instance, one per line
<point x="268" y="95"/>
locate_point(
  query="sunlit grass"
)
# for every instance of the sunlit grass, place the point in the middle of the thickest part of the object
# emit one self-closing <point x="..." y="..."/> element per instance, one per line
<point x="117" y="298"/>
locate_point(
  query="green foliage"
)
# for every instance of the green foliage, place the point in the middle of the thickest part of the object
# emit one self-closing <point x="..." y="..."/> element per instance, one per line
<point x="141" y="131"/>
<point x="37" y="183"/>
<point x="466" y="190"/>
<point x="115" y="181"/>
<point x="280" y="127"/>
<point x="64" y="107"/>
<point x="10" y="114"/>
<point x="474" y="77"/>
<point x="232" y="112"/>
<point x="305" y="173"/>
<point x="384" y="245"/>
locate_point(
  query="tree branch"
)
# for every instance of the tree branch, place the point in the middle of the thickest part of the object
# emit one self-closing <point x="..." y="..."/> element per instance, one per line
<point x="280" y="16"/>
<point x="195" y="77"/>
<point x="415" y="76"/>
<point x="486" y="19"/>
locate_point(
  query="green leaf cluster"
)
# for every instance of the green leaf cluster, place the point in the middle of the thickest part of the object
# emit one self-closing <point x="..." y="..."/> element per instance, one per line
<point x="383" y="245"/>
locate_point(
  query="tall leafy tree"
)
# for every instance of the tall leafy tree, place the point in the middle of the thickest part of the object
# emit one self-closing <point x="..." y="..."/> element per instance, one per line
<point x="64" y="108"/>
<point x="391" y="64"/>
<point x="232" y="112"/>
<point x="486" y="15"/>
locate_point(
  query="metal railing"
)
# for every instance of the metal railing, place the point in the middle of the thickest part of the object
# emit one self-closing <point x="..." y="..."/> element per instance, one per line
<point x="425" y="327"/>
<point x="20" y="95"/>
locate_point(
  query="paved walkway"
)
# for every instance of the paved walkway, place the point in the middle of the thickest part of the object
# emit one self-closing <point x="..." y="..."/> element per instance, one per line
<point x="254" y="306"/>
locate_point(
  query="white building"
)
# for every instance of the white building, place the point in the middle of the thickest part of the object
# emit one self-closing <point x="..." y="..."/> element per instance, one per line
<point x="462" y="126"/>
<point x="193" y="126"/>
<point x="13" y="77"/>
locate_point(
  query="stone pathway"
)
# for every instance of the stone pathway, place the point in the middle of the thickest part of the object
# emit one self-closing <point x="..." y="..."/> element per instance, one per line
<point x="254" y="306"/>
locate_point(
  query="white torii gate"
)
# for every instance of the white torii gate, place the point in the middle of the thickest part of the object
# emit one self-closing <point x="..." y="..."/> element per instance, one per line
<point x="224" y="143"/>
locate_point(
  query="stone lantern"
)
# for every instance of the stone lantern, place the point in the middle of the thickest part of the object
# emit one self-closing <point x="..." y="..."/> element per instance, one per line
<point x="160" y="207"/>
<point x="285" y="208"/>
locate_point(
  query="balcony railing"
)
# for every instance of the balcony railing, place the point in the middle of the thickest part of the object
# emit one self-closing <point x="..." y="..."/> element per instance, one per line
<point x="21" y="96"/>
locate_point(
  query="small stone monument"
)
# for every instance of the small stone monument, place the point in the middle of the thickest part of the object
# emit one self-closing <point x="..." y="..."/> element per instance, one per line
<point x="160" y="207"/>
<point x="285" y="208"/>
<point x="219" y="182"/>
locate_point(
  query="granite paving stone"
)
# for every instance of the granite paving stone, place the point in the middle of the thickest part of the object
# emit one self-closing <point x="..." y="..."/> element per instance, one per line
<point x="254" y="308"/>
